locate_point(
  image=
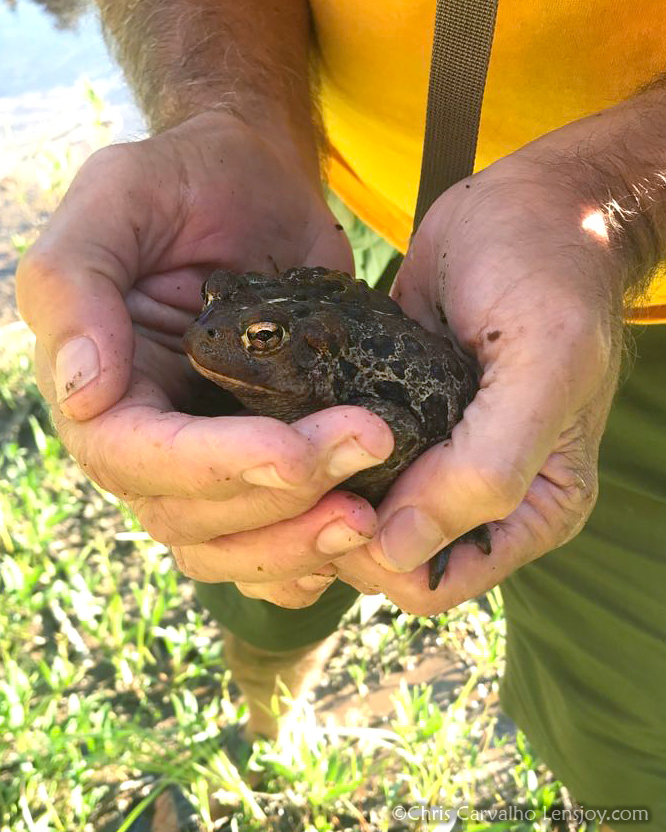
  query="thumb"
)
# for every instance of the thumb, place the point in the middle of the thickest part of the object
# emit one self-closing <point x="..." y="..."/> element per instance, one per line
<point x="497" y="449"/>
<point x="484" y="471"/>
<point x="80" y="320"/>
<point x="70" y="286"/>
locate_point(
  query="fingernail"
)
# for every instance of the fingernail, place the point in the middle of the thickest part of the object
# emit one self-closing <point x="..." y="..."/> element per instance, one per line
<point x="266" y="475"/>
<point x="409" y="538"/>
<point x="338" y="537"/>
<point x="348" y="458"/>
<point x="77" y="364"/>
<point x="315" y="583"/>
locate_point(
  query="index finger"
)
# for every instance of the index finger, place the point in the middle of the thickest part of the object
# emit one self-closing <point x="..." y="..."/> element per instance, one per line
<point x="142" y="448"/>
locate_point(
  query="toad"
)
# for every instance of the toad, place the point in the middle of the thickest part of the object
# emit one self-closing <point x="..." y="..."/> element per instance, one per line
<point x="310" y="338"/>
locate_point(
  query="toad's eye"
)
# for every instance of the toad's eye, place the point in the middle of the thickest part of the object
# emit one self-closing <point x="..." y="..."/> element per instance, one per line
<point x="264" y="336"/>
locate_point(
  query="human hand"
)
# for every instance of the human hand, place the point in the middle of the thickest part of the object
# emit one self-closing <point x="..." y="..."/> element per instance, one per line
<point x="526" y="283"/>
<point x="139" y="229"/>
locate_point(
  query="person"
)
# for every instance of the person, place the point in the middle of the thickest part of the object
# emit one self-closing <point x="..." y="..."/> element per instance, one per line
<point x="532" y="259"/>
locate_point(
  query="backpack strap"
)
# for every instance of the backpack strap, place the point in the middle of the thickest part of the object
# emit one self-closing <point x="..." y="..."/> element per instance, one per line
<point x="460" y="55"/>
<point x="461" y="46"/>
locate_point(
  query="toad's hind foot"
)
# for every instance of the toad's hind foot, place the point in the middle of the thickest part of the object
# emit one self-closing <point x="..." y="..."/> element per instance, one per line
<point x="438" y="563"/>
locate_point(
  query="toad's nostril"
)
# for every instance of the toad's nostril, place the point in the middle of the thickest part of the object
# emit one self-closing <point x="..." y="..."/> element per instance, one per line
<point x="211" y="333"/>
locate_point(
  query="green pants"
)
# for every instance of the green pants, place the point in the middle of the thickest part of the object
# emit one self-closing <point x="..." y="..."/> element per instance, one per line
<point x="586" y="624"/>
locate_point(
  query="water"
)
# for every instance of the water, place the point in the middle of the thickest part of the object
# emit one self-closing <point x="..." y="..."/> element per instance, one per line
<point x="42" y="73"/>
<point x="45" y="113"/>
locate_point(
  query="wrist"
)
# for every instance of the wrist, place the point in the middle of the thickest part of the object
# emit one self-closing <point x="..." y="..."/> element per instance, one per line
<point x="513" y="258"/>
<point x="248" y="60"/>
<point x="523" y="211"/>
<point x="220" y="122"/>
<point x="296" y="142"/>
<point x="583" y="225"/>
<point x="607" y="172"/>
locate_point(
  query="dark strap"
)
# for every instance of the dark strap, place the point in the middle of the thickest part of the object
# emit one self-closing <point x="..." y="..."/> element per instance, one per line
<point x="460" y="54"/>
<point x="459" y="65"/>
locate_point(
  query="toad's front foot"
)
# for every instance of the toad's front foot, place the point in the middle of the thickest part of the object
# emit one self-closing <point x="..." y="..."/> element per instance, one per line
<point x="438" y="563"/>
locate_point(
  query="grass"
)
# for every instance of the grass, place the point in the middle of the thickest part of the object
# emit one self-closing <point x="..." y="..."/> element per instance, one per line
<point x="371" y="253"/>
<point x="113" y="683"/>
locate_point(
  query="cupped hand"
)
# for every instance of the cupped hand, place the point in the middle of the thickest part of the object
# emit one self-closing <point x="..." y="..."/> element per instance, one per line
<point x="140" y="228"/>
<point x="109" y="289"/>
<point x="523" y="274"/>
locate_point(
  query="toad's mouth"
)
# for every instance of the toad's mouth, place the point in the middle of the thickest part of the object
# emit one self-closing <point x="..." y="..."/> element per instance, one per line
<point x="228" y="382"/>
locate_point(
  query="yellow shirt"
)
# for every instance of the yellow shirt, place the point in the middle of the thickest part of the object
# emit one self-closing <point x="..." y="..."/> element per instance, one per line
<point x="551" y="63"/>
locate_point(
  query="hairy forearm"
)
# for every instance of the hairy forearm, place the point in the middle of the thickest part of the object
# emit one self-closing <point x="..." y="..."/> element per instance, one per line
<point x="613" y="166"/>
<point x="250" y="58"/>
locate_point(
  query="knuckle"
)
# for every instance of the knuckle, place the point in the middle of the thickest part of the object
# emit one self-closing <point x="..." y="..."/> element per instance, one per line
<point x="291" y="600"/>
<point x="46" y="385"/>
<point x="501" y="488"/>
<point x="579" y="500"/>
<point x="147" y="514"/>
<point x="37" y="270"/>
<point x="249" y="590"/>
<point x="415" y="598"/>
<point x="186" y="564"/>
<point x="90" y="456"/>
<point x="285" y="595"/>
<point x="181" y="561"/>
<point x="590" y="342"/>
<point x="570" y="526"/>
<point x="113" y="156"/>
<point x="97" y="474"/>
<point x="275" y="505"/>
<point x="588" y="492"/>
<point x="86" y="454"/>
<point x="420" y="605"/>
<point x="33" y="264"/>
<point x="159" y="521"/>
<point x="103" y="173"/>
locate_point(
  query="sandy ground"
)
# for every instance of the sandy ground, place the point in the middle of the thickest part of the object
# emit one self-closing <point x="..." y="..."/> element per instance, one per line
<point x="34" y="176"/>
<point x="24" y="209"/>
